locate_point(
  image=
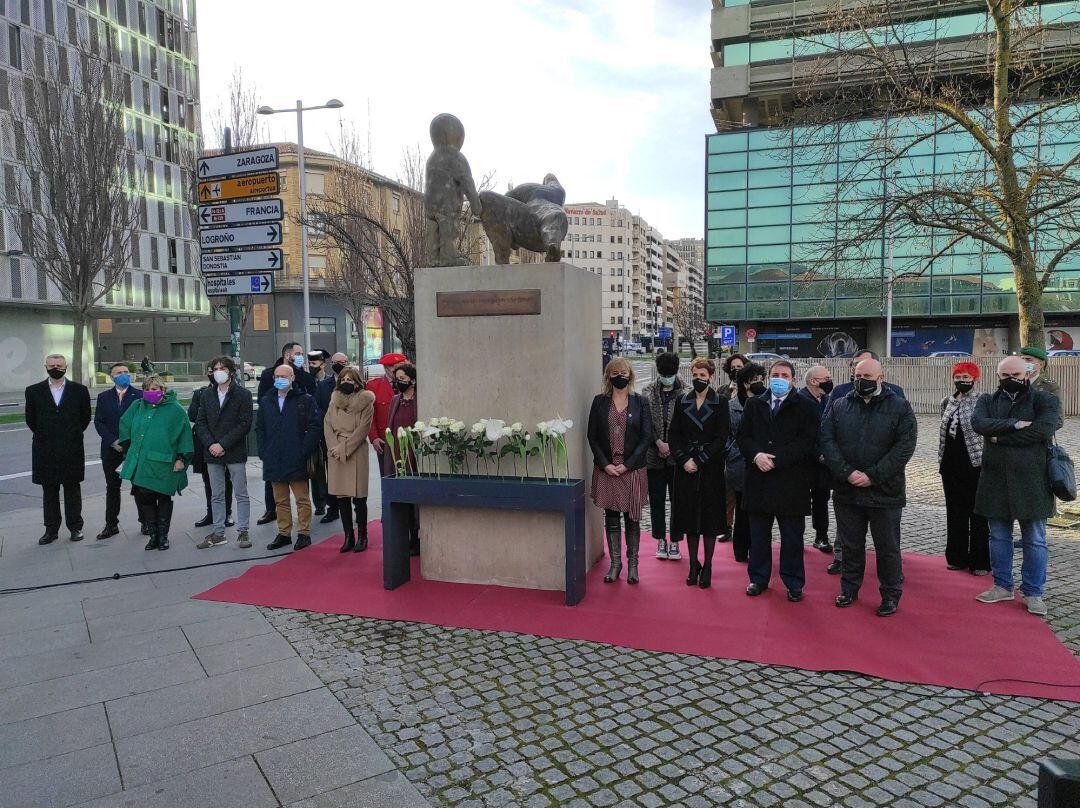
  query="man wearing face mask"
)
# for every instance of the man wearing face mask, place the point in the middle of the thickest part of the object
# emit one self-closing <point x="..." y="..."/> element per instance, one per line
<point x="111" y="405"/>
<point x="778" y="437"/>
<point x="841" y="390"/>
<point x="659" y="462"/>
<point x="1017" y="423"/>
<point x="57" y="412"/>
<point x="324" y="390"/>
<point x="1035" y="363"/>
<point x="867" y="438"/>
<point x="818" y="384"/>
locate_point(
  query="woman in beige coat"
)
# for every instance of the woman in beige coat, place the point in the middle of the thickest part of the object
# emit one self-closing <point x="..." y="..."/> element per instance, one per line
<point x="346" y="426"/>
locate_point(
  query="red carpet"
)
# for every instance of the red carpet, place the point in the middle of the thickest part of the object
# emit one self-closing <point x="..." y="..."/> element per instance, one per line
<point x="940" y="636"/>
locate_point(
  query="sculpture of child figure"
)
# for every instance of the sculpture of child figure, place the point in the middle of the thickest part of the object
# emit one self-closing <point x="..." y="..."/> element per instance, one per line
<point x="447" y="181"/>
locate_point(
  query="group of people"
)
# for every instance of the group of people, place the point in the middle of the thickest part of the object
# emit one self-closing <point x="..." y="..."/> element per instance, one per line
<point x="314" y="421"/>
<point x="734" y="459"/>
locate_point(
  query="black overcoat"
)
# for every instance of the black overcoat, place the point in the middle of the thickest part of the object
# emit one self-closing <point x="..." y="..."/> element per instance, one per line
<point x="791" y="435"/>
<point x="57" y="453"/>
<point x="698" y="499"/>
<point x="227" y="423"/>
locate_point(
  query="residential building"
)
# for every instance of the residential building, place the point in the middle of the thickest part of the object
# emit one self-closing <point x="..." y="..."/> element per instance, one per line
<point x="771" y="192"/>
<point x="155" y="44"/>
<point x="685" y="277"/>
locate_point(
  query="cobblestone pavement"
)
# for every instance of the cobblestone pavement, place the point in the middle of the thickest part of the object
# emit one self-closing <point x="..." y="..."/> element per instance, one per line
<point x="487" y="719"/>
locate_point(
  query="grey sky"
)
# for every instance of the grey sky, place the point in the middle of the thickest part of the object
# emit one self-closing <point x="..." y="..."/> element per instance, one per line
<point x="610" y="95"/>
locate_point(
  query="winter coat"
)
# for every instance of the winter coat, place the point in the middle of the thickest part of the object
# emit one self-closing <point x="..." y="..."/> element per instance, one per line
<point x="698" y="500"/>
<point x="157" y="436"/>
<point x="108" y="412"/>
<point x="822" y="478"/>
<point x="1014" y="483"/>
<point x="842" y="390"/>
<point x="287" y="436"/>
<point x="791" y="435"/>
<point x="639" y="433"/>
<point x="57" y="453"/>
<point x="1046" y="385"/>
<point x="384" y="394"/>
<point x="963" y="406"/>
<point x="227" y="423"/>
<point x="302" y="380"/>
<point x="660" y="424"/>
<point x="345" y="427"/>
<point x="198" y="462"/>
<point x="877" y="438"/>
<point x="735" y="463"/>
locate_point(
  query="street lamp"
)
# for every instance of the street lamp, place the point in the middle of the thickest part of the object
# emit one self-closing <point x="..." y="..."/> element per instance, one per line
<point x="888" y="300"/>
<point x="300" y="109"/>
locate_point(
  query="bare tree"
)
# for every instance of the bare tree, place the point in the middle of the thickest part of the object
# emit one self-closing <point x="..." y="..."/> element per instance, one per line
<point x="1006" y="90"/>
<point x="78" y="198"/>
<point x="688" y="322"/>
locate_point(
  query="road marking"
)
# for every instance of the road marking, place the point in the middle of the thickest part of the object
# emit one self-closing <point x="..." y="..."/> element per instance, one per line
<point x="28" y="473"/>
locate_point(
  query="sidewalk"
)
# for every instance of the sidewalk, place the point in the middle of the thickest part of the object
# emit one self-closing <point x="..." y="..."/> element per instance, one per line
<point x="127" y="692"/>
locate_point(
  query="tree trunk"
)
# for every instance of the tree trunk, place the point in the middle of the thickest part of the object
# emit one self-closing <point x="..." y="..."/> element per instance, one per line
<point x="1029" y="303"/>
<point x="79" y="318"/>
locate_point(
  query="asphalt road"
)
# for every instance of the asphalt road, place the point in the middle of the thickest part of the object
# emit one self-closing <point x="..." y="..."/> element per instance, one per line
<point x="16" y="489"/>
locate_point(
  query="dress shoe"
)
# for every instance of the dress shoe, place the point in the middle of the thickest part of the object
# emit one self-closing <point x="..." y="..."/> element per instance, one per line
<point x="302" y="540"/>
<point x="109" y="530"/>
<point x="328" y="518"/>
<point x="229" y="521"/>
<point x="361" y="542"/>
<point x="794" y="595"/>
<point x="887" y="607"/>
<point x="951" y="567"/>
<point x="76" y="535"/>
<point x="704" y="579"/>
<point x="206" y="520"/>
<point x="695" y="574"/>
<point x="319" y="511"/>
<point x="723" y="537"/>
<point x="153" y="543"/>
<point x="755" y="589"/>
<point x="845" y="599"/>
<point x="48" y="538"/>
<point x="822" y="543"/>
<point x="266" y="518"/>
<point x="280" y="540"/>
<point x="833" y="568"/>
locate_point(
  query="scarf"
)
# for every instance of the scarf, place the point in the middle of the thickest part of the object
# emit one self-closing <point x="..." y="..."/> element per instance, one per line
<point x="956" y="412"/>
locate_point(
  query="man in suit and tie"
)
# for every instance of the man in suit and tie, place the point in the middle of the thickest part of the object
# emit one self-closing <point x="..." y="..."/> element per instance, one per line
<point x="111" y="405"/>
<point x="57" y="412"/>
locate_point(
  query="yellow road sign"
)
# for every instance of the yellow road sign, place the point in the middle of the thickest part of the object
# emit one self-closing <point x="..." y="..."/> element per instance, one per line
<point x="239" y="188"/>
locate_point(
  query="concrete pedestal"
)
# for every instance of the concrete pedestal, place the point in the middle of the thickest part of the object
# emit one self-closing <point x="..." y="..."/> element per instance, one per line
<point x="476" y="363"/>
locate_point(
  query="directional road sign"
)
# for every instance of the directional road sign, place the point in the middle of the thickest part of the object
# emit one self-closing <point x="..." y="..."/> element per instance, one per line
<point x="252" y="235"/>
<point x="727" y="335"/>
<point x="239" y="188"/>
<point x="239" y="285"/>
<point x="245" y="162"/>
<point x="244" y="261"/>
<point x="664" y="333"/>
<point x="262" y="210"/>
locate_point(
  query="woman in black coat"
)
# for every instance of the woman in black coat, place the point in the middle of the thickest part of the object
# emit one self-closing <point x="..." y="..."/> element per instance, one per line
<point x="699" y="433"/>
<point x="620" y="433"/>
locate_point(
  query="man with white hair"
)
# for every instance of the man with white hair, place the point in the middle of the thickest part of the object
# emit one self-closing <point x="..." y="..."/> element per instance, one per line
<point x="817" y="385"/>
<point x="58" y="412"/>
<point x="1017" y="423"/>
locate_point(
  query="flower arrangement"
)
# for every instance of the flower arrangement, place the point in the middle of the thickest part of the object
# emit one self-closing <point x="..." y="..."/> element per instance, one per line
<point x="482" y="449"/>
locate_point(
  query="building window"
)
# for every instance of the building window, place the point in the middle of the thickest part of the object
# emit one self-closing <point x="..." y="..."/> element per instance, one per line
<point x="16" y="279"/>
<point x="164" y="291"/>
<point x="395" y="203"/>
<point x="181" y="351"/>
<point x="315" y="182"/>
<point x="15" y="46"/>
<point x="323" y="325"/>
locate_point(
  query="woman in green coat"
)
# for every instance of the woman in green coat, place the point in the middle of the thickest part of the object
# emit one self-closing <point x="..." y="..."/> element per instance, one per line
<point x="158" y="449"/>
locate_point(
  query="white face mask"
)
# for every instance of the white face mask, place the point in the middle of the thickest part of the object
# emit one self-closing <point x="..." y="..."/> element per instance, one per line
<point x="221" y="376"/>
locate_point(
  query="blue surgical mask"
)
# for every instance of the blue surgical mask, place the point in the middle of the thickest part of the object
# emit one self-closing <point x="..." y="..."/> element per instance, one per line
<point x="667" y="381"/>
<point x="123" y="381"/>
<point x="298" y="360"/>
<point x="779" y="387"/>
<point x="281" y="383"/>
<point x="1029" y="367"/>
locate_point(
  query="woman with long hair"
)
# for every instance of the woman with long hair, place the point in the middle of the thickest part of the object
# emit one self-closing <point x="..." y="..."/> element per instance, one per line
<point x="346" y="425"/>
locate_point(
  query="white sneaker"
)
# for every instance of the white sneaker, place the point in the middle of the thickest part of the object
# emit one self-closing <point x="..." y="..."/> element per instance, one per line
<point x="1035" y="605"/>
<point x="995" y="594"/>
<point x="673" y="553"/>
<point x="661" y="548"/>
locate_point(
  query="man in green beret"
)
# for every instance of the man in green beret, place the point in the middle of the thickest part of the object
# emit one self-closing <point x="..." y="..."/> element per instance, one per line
<point x="1035" y="359"/>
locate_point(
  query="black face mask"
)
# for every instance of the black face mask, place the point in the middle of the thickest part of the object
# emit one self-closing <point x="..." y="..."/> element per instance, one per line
<point x="757" y="388"/>
<point x="401" y="385"/>
<point x="826" y="386"/>
<point x="700" y="385"/>
<point x="348" y="388"/>
<point x="620" y="382"/>
<point x="865" y="387"/>
<point x="57" y="373"/>
<point x="731" y="374"/>
<point x="964" y="387"/>
<point x="1014" y="386"/>
<point x="337" y="367"/>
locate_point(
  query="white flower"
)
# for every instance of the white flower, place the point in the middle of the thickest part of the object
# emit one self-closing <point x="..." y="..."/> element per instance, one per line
<point x="478" y="427"/>
<point x="457" y="427"/>
<point x="560" y="426"/>
<point x="507" y="431"/>
<point x="401" y="433"/>
<point x="419" y="426"/>
<point x="432" y="431"/>
<point x="493" y="428"/>
<point x="516" y="426"/>
<point x="544" y="428"/>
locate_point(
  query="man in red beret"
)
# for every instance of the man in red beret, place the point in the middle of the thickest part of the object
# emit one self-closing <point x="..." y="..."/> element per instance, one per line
<point x="383" y="388"/>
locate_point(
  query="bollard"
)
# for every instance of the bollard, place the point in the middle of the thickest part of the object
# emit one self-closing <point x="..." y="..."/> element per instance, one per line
<point x="1059" y="783"/>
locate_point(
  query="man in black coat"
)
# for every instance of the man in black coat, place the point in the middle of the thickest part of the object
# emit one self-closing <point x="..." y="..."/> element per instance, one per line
<point x="778" y="438"/>
<point x="817" y="385"/>
<point x="221" y="430"/>
<point x="842" y="390"/>
<point x="326" y="505"/>
<point x="58" y="412"/>
<point x="867" y="438"/>
<point x="111" y="406"/>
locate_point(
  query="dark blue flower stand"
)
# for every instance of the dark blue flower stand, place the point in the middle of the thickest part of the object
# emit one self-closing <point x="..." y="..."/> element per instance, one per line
<point x="502" y="493"/>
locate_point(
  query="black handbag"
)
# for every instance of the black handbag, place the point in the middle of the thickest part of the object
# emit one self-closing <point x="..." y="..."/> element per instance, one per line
<point x="1062" y="474"/>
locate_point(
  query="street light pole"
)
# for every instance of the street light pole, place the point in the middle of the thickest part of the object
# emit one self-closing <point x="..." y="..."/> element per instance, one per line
<point x="888" y="300"/>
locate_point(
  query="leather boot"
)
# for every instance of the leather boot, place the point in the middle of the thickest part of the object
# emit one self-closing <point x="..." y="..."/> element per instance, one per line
<point x="149" y="513"/>
<point x="350" y="540"/>
<point x="361" y="539"/>
<point x="613" y="532"/>
<point x="360" y="505"/>
<point x="633" y="541"/>
<point x="164" y="521"/>
<point x="153" y="543"/>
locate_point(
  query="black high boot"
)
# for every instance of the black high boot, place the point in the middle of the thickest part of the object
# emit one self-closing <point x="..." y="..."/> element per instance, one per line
<point x="164" y="521"/>
<point x="346" y="523"/>
<point x="633" y="541"/>
<point x="360" y="503"/>
<point x="148" y="511"/>
<point x="692" y="541"/>
<point x="613" y="533"/>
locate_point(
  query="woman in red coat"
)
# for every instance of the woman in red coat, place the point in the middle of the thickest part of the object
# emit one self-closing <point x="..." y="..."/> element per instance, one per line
<point x="383" y="388"/>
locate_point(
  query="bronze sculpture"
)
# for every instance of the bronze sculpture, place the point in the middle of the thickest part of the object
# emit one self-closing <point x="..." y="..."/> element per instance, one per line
<point x="529" y="216"/>
<point x="447" y="182"/>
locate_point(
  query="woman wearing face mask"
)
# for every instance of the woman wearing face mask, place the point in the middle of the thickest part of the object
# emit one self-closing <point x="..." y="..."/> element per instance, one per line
<point x="620" y="433"/>
<point x="967" y="543"/>
<point x="158" y="448"/>
<point x="402" y="413"/>
<point x="732" y="365"/>
<point x="749" y="382"/>
<point x="699" y="432"/>
<point x="345" y="427"/>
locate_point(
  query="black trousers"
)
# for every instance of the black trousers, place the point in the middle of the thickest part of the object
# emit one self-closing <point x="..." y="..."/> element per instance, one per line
<point x="72" y="506"/>
<point x="740" y="533"/>
<point x="819" y="510"/>
<point x="155" y="508"/>
<point x="268" y="498"/>
<point x="345" y="512"/>
<point x="792" y="571"/>
<point x="884" y="523"/>
<point x="660" y="491"/>
<point x="320" y="496"/>
<point x="111" y="461"/>
<point x="967" y="535"/>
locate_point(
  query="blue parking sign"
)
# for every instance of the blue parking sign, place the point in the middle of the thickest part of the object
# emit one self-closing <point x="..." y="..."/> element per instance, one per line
<point x="727" y="335"/>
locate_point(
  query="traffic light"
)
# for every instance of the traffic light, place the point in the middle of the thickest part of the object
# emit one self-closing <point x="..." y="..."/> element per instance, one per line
<point x="658" y="299"/>
<point x="611" y="334"/>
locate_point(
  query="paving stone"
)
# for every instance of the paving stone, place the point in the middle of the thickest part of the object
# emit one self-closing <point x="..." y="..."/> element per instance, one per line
<point x="52" y="735"/>
<point x="61" y="780"/>
<point x="238" y="654"/>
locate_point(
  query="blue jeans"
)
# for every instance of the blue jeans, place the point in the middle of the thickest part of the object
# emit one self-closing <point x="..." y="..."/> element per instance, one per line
<point x="238" y="475"/>
<point x="1033" y="542"/>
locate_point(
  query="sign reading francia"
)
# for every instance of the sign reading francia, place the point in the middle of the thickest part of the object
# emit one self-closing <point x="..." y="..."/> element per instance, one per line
<point x="239" y="188"/>
<point x="245" y="162"/>
<point x="244" y="261"/>
<point x="264" y="210"/>
<point x="254" y="235"/>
